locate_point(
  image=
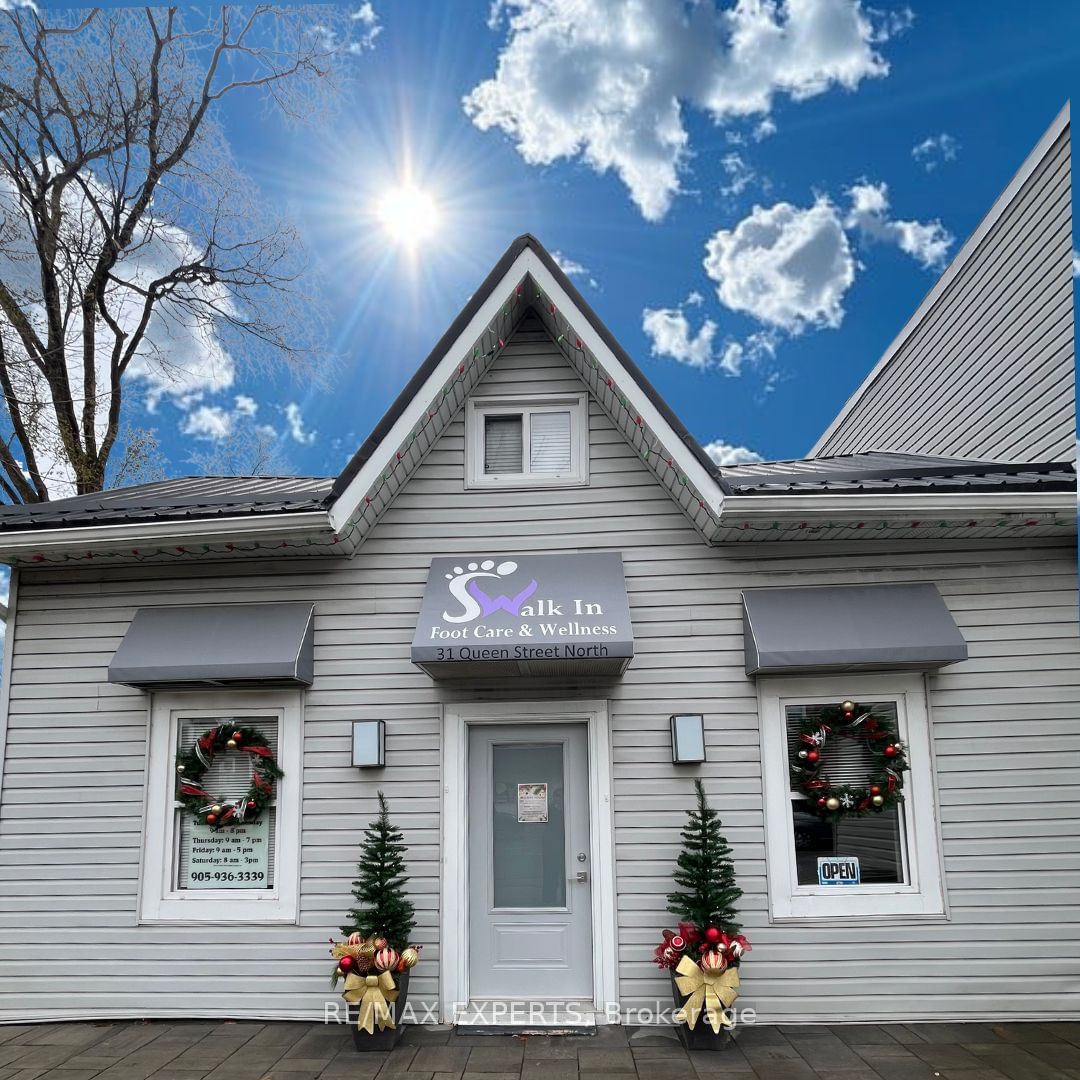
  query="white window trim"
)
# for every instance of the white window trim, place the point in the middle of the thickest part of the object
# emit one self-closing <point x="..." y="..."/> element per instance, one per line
<point x="476" y="408"/>
<point x="923" y="895"/>
<point x="159" y="902"/>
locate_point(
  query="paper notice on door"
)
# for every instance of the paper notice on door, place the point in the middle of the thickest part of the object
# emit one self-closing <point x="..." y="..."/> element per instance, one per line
<point x="532" y="802"/>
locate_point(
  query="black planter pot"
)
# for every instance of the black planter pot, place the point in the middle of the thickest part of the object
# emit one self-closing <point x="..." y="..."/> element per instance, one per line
<point x="388" y="1038"/>
<point x="701" y="1036"/>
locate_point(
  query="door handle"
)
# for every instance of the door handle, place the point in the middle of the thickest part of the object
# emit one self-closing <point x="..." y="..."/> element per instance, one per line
<point x="582" y="875"/>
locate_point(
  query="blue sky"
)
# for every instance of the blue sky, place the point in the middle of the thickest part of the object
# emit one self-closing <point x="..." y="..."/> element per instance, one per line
<point x="756" y="275"/>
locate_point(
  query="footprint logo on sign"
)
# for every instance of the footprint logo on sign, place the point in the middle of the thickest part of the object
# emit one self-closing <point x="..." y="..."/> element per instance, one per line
<point x="473" y="600"/>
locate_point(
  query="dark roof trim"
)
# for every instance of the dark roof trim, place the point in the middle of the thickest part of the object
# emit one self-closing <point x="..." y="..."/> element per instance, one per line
<point x="524" y="242"/>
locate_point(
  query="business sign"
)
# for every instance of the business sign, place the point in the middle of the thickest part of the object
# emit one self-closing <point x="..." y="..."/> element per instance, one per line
<point x="838" y="870"/>
<point x="229" y="857"/>
<point x="522" y="610"/>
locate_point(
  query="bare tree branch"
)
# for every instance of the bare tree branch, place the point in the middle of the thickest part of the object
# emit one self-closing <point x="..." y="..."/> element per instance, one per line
<point x="129" y="240"/>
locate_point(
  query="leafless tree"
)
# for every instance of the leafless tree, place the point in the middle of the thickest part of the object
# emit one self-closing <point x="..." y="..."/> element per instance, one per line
<point x="134" y="254"/>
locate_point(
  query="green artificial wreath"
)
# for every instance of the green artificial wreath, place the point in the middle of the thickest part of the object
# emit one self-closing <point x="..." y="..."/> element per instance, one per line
<point x="191" y="766"/>
<point x="882" y="789"/>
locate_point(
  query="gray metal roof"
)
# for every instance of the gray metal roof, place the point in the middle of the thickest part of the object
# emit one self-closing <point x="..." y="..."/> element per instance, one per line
<point x="168" y="500"/>
<point x="877" y="472"/>
<point x="195" y="497"/>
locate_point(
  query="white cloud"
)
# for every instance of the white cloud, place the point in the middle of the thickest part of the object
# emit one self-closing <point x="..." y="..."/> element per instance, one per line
<point x="740" y="174"/>
<point x="246" y="406"/>
<point x="935" y="150"/>
<point x="926" y="242"/>
<point x="296" y="424"/>
<point x="572" y="268"/>
<point x="208" y="422"/>
<point x="670" y="333"/>
<point x="368" y="22"/>
<point x="724" y="453"/>
<point x="607" y="81"/>
<point x="764" y="129"/>
<point x="786" y="266"/>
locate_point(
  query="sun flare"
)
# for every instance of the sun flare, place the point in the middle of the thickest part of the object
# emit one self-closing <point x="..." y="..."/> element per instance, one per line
<point x="408" y="214"/>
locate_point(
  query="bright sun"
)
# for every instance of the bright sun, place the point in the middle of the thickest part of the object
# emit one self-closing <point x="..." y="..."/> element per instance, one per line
<point x="408" y="215"/>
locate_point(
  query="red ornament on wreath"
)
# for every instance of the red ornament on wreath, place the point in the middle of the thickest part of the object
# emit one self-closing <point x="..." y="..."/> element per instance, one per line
<point x="712" y="935"/>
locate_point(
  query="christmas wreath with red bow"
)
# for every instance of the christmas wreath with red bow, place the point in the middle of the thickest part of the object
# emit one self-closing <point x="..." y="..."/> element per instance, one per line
<point x="191" y="767"/>
<point x="883" y="787"/>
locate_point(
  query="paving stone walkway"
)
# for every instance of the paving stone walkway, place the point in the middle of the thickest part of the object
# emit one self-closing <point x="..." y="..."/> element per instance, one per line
<point x="211" y="1050"/>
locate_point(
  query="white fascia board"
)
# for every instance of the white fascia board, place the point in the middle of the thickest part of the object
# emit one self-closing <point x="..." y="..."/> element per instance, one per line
<point x="703" y="482"/>
<point x="206" y="531"/>
<point x="993" y="215"/>
<point x="346" y="503"/>
<point x="747" y="507"/>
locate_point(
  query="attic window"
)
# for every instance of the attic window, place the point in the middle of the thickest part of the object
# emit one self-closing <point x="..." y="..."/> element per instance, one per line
<point x="534" y="442"/>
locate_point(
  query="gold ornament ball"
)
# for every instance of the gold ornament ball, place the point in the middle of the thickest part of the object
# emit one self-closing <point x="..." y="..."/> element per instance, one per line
<point x="848" y="706"/>
<point x="410" y="957"/>
<point x="215" y="809"/>
<point x="833" y="803"/>
<point x="878" y="800"/>
<point x="231" y="744"/>
<point x="179" y="768"/>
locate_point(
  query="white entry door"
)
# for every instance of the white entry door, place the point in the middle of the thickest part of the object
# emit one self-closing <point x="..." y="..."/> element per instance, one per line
<point x="530" y="899"/>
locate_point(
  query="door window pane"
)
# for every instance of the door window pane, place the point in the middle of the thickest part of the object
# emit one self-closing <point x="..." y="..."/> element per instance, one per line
<point x="528" y="853"/>
<point x="502" y="444"/>
<point x="549" y="442"/>
<point x="874" y="839"/>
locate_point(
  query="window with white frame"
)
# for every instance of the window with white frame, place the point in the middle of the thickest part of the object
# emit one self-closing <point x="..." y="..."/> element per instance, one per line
<point x="897" y="850"/>
<point x="246" y="872"/>
<point x="527" y="442"/>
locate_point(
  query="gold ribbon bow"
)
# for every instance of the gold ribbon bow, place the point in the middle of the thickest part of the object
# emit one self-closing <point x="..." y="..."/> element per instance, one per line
<point x="373" y="993"/>
<point x="708" y="992"/>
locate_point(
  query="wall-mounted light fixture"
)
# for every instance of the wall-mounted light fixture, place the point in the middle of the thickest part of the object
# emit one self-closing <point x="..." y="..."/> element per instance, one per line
<point x="687" y="738"/>
<point x="369" y="744"/>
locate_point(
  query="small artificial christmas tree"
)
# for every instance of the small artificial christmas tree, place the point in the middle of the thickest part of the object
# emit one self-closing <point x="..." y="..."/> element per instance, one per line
<point x="705" y="873"/>
<point x="382" y="908"/>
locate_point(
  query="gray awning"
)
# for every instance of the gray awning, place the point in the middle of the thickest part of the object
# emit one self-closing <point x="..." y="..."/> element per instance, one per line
<point x="848" y="628"/>
<point x="217" y="645"/>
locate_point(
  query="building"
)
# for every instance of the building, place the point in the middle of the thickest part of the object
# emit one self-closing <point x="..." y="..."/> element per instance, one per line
<point x="524" y="573"/>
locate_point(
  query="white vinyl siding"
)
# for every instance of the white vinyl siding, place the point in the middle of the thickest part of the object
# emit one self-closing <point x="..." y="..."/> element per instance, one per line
<point x="1003" y="724"/>
<point x="988" y="371"/>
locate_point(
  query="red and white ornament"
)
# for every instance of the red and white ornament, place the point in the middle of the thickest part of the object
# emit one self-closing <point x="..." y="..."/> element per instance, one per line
<point x="386" y="959"/>
<point x="713" y="960"/>
<point x="356" y="938"/>
<point x="678" y="943"/>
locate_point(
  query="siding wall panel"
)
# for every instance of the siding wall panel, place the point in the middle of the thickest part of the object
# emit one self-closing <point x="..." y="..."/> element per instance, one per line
<point x="1000" y="720"/>
<point x="989" y="370"/>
